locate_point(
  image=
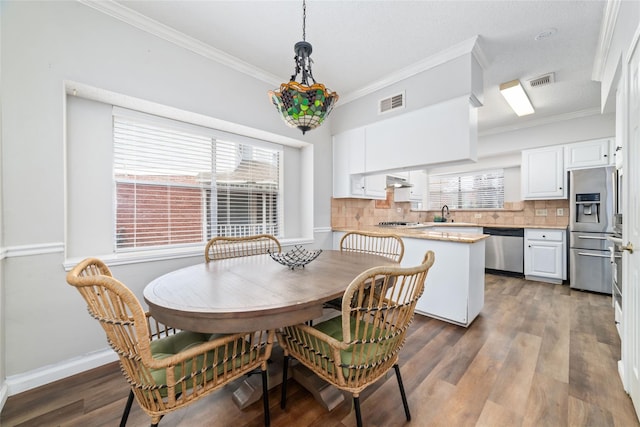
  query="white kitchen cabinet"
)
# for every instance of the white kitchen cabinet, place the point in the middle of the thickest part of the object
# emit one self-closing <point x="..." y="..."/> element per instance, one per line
<point x="415" y="193"/>
<point x="454" y="288"/>
<point x="349" y="166"/>
<point x="369" y="186"/>
<point x="543" y="173"/>
<point x="346" y="160"/>
<point x="589" y="154"/>
<point x="545" y="255"/>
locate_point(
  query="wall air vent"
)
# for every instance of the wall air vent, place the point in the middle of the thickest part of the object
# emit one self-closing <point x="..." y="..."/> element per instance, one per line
<point x="547" y="79"/>
<point x="391" y="103"/>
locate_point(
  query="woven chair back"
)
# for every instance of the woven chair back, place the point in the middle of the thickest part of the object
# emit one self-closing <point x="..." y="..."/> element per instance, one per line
<point x="234" y="247"/>
<point x="163" y="381"/>
<point x="375" y="324"/>
<point x="387" y="245"/>
<point x="121" y="316"/>
<point x="356" y="349"/>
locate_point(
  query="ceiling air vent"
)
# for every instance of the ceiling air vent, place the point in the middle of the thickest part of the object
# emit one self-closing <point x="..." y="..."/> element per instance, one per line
<point x="547" y="79"/>
<point x="391" y="103"/>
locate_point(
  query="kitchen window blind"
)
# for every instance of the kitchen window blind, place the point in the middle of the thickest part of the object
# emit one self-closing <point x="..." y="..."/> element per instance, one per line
<point x="474" y="190"/>
<point x="176" y="187"/>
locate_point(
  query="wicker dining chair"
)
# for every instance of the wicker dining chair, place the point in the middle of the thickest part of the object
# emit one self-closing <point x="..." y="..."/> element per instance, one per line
<point x="386" y="245"/>
<point x="167" y="369"/>
<point x="222" y="247"/>
<point x="354" y="350"/>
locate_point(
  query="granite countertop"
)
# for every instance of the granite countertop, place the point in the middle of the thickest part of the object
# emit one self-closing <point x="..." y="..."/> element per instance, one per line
<point x="416" y="232"/>
<point x="471" y="224"/>
<point x="437" y="230"/>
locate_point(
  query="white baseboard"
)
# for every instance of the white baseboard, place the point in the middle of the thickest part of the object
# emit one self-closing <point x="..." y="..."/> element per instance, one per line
<point x="22" y="382"/>
<point x="4" y="394"/>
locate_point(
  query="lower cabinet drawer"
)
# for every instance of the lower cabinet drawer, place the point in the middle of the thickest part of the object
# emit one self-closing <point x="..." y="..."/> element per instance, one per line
<point x="549" y="235"/>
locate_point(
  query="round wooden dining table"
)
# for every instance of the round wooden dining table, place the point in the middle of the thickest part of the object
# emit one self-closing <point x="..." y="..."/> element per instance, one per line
<point x="254" y="292"/>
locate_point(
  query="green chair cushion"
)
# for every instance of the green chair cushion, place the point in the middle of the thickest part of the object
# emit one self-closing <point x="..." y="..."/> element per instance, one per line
<point x="174" y="344"/>
<point x="182" y="341"/>
<point x="353" y="354"/>
<point x="333" y="328"/>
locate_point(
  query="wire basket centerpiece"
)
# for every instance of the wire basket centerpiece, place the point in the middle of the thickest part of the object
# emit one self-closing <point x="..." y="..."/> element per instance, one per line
<point x="296" y="257"/>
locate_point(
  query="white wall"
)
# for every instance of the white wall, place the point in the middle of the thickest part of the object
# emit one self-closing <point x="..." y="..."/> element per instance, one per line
<point x="621" y="30"/>
<point x="44" y="44"/>
<point x="46" y="330"/>
<point x="451" y="79"/>
<point x="502" y="150"/>
<point x="3" y="387"/>
<point x="546" y="133"/>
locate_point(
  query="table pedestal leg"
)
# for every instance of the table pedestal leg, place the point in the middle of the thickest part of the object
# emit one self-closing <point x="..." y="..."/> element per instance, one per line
<point x="326" y="394"/>
<point x="250" y="389"/>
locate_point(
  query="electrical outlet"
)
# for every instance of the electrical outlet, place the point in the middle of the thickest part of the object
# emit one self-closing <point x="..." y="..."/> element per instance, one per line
<point x="478" y="215"/>
<point x="559" y="212"/>
<point x="541" y="212"/>
<point x="399" y="210"/>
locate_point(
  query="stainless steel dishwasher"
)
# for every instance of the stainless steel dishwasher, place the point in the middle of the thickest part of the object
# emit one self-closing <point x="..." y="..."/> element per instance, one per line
<point x="504" y="249"/>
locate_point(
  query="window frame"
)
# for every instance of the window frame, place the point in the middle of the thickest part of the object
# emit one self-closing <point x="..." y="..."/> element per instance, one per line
<point x="208" y="205"/>
<point x="88" y="175"/>
<point x="436" y="203"/>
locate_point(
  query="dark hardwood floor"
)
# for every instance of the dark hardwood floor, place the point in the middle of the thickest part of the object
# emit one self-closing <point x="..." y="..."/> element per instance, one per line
<point x="538" y="355"/>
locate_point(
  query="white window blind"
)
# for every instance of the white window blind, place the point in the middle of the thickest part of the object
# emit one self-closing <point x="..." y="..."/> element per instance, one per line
<point x="176" y="187"/>
<point x="475" y="190"/>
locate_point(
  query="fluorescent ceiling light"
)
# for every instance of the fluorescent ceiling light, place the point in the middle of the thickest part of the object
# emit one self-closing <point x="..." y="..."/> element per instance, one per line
<point x="517" y="98"/>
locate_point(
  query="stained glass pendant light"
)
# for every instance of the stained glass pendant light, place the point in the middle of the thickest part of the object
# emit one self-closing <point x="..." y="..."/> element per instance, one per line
<point x="302" y="105"/>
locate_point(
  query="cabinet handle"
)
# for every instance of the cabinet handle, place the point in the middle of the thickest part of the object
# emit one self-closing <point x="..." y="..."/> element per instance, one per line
<point x="544" y="236"/>
<point x="605" y="155"/>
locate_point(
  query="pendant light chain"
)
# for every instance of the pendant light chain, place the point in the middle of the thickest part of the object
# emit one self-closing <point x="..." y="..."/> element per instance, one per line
<point x="304" y="20"/>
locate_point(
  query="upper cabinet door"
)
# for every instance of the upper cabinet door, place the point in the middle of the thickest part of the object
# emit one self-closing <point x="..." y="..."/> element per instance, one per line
<point x="543" y="174"/>
<point x="348" y="150"/>
<point x="348" y="159"/>
<point x="589" y="154"/>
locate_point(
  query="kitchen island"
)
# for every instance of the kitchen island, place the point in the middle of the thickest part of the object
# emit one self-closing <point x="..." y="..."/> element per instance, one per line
<point x="454" y="290"/>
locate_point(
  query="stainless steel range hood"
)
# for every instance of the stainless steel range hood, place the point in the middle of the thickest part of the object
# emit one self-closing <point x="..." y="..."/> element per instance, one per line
<point x="394" y="181"/>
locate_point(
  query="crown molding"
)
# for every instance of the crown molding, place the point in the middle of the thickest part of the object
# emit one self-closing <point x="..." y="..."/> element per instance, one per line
<point x="171" y="35"/>
<point x="479" y="54"/>
<point x="606" y="36"/>
<point x="542" y="121"/>
<point x="465" y="47"/>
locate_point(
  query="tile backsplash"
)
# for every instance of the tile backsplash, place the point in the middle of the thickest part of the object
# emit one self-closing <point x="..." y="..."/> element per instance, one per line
<point x="356" y="213"/>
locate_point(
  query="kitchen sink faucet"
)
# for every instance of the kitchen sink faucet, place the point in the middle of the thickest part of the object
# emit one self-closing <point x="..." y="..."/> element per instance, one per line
<point x="443" y="214"/>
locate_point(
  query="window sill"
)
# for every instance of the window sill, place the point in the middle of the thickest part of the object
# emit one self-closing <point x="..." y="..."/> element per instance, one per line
<point x="153" y="255"/>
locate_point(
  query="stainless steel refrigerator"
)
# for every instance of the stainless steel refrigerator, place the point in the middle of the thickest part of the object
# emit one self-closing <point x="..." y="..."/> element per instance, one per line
<point x="591" y="221"/>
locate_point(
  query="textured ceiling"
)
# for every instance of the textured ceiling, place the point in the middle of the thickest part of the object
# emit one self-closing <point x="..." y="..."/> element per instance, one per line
<point x="359" y="43"/>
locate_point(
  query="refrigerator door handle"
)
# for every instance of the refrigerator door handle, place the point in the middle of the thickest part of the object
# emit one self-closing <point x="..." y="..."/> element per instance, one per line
<point x="594" y="255"/>
<point x="616" y="240"/>
<point x="592" y="237"/>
